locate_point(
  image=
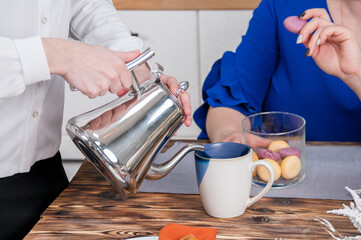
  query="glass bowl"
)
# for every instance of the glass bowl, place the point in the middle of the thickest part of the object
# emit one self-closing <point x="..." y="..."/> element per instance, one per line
<point x="278" y="137"/>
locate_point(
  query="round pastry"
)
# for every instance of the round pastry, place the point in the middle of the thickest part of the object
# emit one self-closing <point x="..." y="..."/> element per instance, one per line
<point x="255" y="158"/>
<point x="275" y="146"/>
<point x="189" y="237"/>
<point x="263" y="153"/>
<point x="290" y="167"/>
<point x="294" y="24"/>
<point x="263" y="171"/>
<point x="290" y="151"/>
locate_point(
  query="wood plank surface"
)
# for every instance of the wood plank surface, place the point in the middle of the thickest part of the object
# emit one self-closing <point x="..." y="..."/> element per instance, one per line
<point x="90" y="208"/>
<point x="185" y="4"/>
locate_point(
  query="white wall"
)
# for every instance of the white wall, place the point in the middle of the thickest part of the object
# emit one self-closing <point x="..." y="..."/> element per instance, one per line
<point x="186" y="43"/>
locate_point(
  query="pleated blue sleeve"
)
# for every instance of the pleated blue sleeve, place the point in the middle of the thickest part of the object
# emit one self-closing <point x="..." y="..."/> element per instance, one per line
<point x="240" y="79"/>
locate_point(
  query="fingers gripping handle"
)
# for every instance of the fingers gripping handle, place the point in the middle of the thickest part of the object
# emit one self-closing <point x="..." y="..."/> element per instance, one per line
<point x="142" y="58"/>
<point x="269" y="184"/>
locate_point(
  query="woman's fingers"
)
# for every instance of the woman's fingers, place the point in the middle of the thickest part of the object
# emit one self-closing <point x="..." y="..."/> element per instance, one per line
<point x="334" y="48"/>
<point x="295" y="23"/>
<point x="335" y="33"/>
<point x="315" y="12"/>
<point x="332" y="34"/>
<point x="308" y="35"/>
<point x="314" y="42"/>
<point x="305" y="34"/>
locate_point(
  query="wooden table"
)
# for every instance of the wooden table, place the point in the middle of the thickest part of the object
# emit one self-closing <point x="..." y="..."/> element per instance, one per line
<point x="90" y="208"/>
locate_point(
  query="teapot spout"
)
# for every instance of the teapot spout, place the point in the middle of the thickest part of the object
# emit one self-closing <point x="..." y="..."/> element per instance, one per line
<point x="158" y="171"/>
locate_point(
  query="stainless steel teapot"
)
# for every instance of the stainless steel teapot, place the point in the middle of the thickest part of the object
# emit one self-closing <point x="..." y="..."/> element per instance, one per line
<point x="123" y="137"/>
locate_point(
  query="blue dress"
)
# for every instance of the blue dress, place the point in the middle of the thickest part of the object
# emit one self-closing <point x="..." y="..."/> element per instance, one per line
<point x="262" y="76"/>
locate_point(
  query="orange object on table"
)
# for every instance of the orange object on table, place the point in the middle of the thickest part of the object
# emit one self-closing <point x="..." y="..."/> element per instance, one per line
<point x="175" y="231"/>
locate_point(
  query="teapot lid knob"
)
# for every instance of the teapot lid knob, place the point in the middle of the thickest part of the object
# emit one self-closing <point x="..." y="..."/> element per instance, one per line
<point x="183" y="86"/>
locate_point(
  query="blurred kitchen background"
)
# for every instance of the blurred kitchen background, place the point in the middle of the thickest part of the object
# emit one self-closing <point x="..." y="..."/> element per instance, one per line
<point x="185" y="42"/>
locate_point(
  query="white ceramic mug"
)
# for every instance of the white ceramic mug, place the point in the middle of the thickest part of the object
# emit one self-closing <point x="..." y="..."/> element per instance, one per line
<point x="224" y="175"/>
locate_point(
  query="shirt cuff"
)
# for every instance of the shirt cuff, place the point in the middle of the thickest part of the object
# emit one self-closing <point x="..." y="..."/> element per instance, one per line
<point x="33" y="59"/>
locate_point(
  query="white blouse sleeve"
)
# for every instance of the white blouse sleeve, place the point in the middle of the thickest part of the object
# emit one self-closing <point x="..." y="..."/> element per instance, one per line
<point x="98" y="22"/>
<point x="22" y="62"/>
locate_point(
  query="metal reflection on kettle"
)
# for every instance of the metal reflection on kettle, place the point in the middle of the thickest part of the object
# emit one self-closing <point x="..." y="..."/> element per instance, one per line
<point x="123" y="137"/>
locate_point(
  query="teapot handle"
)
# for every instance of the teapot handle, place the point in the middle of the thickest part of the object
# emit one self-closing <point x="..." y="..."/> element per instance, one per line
<point x="157" y="171"/>
<point x="142" y="58"/>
